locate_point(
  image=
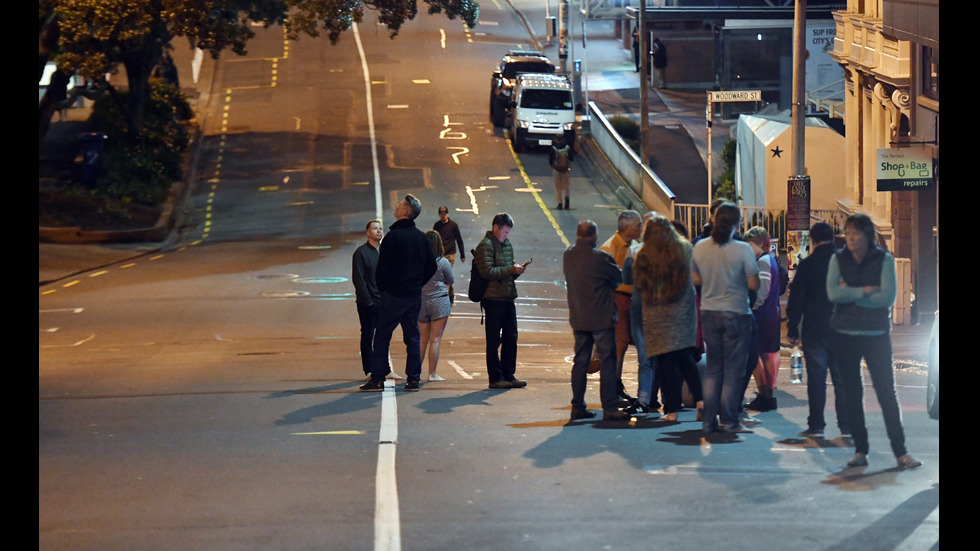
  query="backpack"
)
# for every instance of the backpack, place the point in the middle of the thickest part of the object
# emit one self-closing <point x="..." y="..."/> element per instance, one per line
<point x="478" y="285"/>
<point x="561" y="159"/>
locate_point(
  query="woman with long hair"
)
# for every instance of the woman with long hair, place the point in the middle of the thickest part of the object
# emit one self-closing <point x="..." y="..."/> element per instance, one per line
<point x="662" y="272"/>
<point x="861" y="284"/>
<point x="436" y="306"/>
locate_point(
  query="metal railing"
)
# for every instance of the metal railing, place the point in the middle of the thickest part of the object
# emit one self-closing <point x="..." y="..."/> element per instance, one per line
<point x="774" y="220"/>
<point x="829" y="98"/>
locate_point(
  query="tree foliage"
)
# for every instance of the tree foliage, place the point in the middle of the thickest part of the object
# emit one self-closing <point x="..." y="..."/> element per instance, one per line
<point x="94" y="38"/>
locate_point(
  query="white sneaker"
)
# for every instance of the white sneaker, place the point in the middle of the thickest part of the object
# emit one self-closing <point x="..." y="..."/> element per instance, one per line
<point x="435" y="377"/>
<point x="393" y="375"/>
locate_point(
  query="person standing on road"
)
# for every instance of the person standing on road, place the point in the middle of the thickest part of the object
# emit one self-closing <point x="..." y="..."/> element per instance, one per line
<point x="591" y="275"/>
<point x="449" y="231"/>
<point x="405" y="264"/>
<point x="628" y="228"/>
<point x="662" y="272"/>
<point x="436" y="306"/>
<point x="364" y="265"/>
<point x="560" y="160"/>
<point x="660" y="62"/>
<point x="861" y="285"/>
<point x="808" y="302"/>
<point x="494" y="259"/>
<point x="646" y="375"/>
<point x="726" y="270"/>
<point x="764" y="356"/>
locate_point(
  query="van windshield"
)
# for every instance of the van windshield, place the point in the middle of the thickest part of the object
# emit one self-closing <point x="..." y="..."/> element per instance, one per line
<point x="546" y="99"/>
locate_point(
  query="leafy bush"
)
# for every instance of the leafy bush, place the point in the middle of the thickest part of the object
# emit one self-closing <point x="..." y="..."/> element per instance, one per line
<point x="143" y="171"/>
<point x="725" y="184"/>
<point x="628" y="130"/>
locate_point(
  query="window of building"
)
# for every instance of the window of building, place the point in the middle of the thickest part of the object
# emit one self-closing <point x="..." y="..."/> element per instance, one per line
<point x="930" y="73"/>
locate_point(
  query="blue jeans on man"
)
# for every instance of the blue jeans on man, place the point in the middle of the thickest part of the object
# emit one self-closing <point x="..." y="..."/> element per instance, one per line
<point x="726" y="336"/>
<point x="393" y="311"/>
<point x="646" y="373"/>
<point x="816" y="353"/>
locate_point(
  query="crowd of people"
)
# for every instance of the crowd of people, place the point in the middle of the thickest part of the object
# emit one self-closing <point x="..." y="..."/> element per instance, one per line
<point x="674" y="299"/>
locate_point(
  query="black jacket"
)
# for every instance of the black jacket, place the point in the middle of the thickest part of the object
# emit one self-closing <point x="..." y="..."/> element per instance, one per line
<point x="808" y="297"/>
<point x="405" y="260"/>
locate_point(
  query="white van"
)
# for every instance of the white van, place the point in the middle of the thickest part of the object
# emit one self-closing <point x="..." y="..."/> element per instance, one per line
<point x="542" y="107"/>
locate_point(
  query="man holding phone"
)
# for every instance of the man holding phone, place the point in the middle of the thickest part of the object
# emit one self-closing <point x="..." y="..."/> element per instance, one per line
<point x="494" y="258"/>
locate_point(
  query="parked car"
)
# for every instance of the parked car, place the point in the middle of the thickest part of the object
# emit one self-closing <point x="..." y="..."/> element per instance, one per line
<point x="505" y="75"/>
<point x="932" y="386"/>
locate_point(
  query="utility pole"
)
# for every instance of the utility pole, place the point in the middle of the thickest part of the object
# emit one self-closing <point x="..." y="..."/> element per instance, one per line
<point x="798" y="185"/>
<point x="644" y="68"/>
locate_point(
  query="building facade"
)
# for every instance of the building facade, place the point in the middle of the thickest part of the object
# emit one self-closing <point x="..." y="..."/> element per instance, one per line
<point x="889" y="50"/>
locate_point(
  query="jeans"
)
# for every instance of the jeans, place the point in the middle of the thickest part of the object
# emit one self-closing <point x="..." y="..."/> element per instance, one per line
<point x="605" y="346"/>
<point x="392" y="312"/>
<point x="501" y="331"/>
<point x="368" y="317"/>
<point x="877" y="353"/>
<point x="817" y="356"/>
<point x="726" y="336"/>
<point x="646" y="368"/>
<point x="751" y="360"/>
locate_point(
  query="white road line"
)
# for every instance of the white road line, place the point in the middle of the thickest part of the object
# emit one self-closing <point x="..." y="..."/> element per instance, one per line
<point x="370" y="115"/>
<point x="387" y="519"/>
<point x="462" y="372"/>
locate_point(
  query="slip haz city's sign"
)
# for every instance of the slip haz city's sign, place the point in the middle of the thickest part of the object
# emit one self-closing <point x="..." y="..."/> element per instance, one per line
<point x="735" y="95"/>
<point x="905" y="169"/>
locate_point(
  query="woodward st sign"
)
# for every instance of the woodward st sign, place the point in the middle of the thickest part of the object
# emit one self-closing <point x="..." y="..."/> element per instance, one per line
<point x="735" y="95"/>
<point x="906" y="169"/>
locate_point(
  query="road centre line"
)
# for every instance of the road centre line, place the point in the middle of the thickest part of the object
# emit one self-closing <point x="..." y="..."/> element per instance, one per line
<point x="534" y="192"/>
<point x="387" y="520"/>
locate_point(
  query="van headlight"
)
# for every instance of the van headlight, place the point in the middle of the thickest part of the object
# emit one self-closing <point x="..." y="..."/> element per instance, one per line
<point x="523" y="124"/>
<point x="569" y="125"/>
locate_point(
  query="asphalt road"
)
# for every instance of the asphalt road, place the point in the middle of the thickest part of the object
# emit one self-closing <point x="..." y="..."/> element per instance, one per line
<point x="205" y="397"/>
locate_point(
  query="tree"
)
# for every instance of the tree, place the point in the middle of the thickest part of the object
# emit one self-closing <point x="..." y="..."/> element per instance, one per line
<point x="94" y="37"/>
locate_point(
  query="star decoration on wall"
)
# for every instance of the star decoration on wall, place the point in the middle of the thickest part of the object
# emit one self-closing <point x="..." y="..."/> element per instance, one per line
<point x="777" y="152"/>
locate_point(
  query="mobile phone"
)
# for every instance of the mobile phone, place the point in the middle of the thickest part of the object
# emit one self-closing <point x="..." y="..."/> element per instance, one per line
<point x="526" y="262"/>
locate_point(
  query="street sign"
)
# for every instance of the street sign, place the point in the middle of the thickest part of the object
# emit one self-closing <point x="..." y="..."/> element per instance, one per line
<point x="905" y="169"/>
<point x="735" y="95"/>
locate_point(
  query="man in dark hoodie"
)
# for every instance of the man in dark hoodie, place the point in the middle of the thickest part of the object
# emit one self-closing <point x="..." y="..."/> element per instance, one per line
<point x="808" y="302"/>
<point x="405" y="264"/>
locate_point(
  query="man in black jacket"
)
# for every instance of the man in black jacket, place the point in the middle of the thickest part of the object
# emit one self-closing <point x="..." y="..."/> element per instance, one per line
<point x="808" y="301"/>
<point x="405" y="264"/>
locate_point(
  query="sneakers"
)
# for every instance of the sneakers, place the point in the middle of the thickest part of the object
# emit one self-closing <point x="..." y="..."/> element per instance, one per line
<point x="811" y="433"/>
<point x="737" y="429"/>
<point x="412" y="386"/>
<point x="501" y="384"/>
<point x="908" y="462"/>
<point x="637" y="408"/>
<point x="514" y="383"/>
<point x="435" y="377"/>
<point x="582" y="413"/>
<point x="861" y="460"/>
<point x="669" y="417"/>
<point x="762" y="403"/>
<point x="559" y="206"/>
<point x="566" y="203"/>
<point x="748" y="420"/>
<point x="373" y="386"/>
